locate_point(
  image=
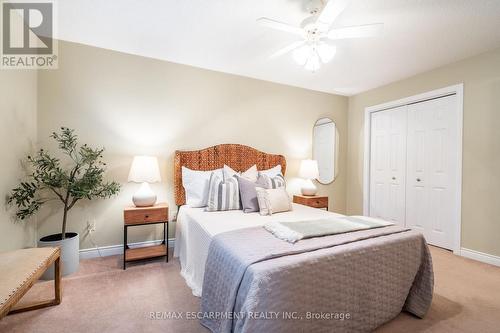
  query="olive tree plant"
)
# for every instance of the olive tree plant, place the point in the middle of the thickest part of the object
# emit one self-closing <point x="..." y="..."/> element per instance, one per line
<point x="82" y="178"/>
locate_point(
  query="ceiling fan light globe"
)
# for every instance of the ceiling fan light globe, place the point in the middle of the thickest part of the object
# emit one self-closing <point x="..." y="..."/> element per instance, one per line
<point x="326" y="52"/>
<point x="313" y="63"/>
<point x="301" y="55"/>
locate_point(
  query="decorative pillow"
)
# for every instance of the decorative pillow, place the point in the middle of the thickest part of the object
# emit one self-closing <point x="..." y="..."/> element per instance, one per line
<point x="275" y="182"/>
<point x="223" y="195"/>
<point x="248" y="193"/>
<point x="195" y="184"/>
<point x="251" y="174"/>
<point x="271" y="173"/>
<point x="273" y="200"/>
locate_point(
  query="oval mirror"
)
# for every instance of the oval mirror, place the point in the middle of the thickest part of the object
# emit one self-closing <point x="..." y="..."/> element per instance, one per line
<point x="325" y="145"/>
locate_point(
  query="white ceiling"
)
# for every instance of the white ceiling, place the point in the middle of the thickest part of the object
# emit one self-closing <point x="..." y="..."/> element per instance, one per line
<point x="222" y="35"/>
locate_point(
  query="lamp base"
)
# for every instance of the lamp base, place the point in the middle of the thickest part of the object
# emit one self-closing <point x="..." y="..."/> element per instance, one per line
<point x="144" y="197"/>
<point x="308" y="188"/>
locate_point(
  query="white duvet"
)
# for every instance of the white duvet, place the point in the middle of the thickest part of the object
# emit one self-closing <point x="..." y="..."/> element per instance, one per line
<point x="195" y="228"/>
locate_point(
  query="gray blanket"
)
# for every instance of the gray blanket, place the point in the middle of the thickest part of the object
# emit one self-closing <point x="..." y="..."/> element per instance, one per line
<point x="351" y="282"/>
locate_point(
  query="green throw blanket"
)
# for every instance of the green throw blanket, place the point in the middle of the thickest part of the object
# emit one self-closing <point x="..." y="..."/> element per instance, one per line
<point x="295" y="231"/>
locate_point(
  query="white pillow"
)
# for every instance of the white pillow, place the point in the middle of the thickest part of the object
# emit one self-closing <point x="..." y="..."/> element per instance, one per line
<point x="274" y="200"/>
<point x="273" y="172"/>
<point x="251" y="174"/>
<point x="195" y="184"/>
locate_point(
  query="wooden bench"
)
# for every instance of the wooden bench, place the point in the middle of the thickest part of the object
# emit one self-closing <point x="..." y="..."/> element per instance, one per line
<point x="19" y="270"/>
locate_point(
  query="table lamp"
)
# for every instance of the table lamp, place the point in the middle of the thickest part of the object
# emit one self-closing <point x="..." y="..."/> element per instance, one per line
<point x="309" y="171"/>
<point x="144" y="170"/>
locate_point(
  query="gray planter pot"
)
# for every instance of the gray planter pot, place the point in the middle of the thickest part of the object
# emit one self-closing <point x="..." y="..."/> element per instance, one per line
<point x="70" y="256"/>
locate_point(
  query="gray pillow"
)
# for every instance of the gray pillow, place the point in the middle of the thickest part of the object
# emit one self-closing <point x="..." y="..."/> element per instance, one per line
<point x="248" y="193"/>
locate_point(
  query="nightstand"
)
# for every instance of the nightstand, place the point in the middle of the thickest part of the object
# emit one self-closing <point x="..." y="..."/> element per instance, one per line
<point x="139" y="216"/>
<point x="315" y="201"/>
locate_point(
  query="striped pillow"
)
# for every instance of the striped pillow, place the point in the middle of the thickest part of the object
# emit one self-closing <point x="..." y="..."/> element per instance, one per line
<point x="223" y="195"/>
<point x="274" y="182"/>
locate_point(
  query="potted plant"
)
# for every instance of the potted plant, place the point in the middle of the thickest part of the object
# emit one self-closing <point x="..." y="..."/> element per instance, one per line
<point x="81" y="178"/>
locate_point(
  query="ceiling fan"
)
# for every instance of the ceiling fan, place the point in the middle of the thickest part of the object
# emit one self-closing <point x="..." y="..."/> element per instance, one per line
<point x="316" y="33"/>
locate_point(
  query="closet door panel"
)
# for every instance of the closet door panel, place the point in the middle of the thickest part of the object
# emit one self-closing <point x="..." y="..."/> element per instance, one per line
<point x="443" y="171"/>
<point x="417" y="201"/>
<point x="379" y="157"/>
<point x="388" y="165"/>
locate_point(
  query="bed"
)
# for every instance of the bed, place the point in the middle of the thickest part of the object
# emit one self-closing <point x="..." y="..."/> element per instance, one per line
<point x="250" y="281"/>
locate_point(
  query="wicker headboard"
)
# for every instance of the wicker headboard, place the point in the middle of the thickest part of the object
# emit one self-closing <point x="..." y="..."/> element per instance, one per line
<point x="238" y="157"/>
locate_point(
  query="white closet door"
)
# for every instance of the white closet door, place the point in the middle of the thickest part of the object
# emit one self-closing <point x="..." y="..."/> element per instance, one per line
<point x="388" y="165"/>
<point x="431" y="203"/>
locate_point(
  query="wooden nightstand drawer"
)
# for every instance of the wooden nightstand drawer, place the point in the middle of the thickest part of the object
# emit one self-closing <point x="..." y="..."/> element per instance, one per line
<point x="135" y="215"/>
<point x="319" y="202"/>
<point x="311" y="201"/>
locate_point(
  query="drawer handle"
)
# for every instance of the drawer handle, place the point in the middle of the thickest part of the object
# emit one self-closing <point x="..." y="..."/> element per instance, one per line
<point x="147" y="216"/>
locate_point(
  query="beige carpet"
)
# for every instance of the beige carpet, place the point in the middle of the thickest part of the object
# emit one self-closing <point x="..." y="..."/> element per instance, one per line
<point x="102" y="297"/>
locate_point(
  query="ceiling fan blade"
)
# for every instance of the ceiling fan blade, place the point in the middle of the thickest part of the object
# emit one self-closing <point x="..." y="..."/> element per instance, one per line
<point x="356" y="31"/>
<point x="332" y="10"/>
<point x="287" y="49"/>
<point x="277" y="25"/>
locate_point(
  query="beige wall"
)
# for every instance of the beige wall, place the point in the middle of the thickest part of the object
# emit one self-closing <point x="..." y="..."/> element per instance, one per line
<point x="18" y="100"/>
<point x="135" y="105"/>
<point x="481" y="142"/>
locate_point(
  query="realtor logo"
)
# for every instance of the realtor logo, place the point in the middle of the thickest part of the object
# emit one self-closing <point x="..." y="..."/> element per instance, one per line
<point x="27" y="35"/>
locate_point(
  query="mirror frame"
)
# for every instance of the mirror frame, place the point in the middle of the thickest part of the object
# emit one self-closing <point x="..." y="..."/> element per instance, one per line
<point x="336" y="152"/>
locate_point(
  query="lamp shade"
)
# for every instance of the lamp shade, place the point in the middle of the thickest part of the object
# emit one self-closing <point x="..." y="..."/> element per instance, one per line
<point x="144" y="169"/>
<point x="308" y="169"/>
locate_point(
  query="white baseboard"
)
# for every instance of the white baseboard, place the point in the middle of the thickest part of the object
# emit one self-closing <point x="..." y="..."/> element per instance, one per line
<point x="113" y="250"/>
<point x="480" y="256"/>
